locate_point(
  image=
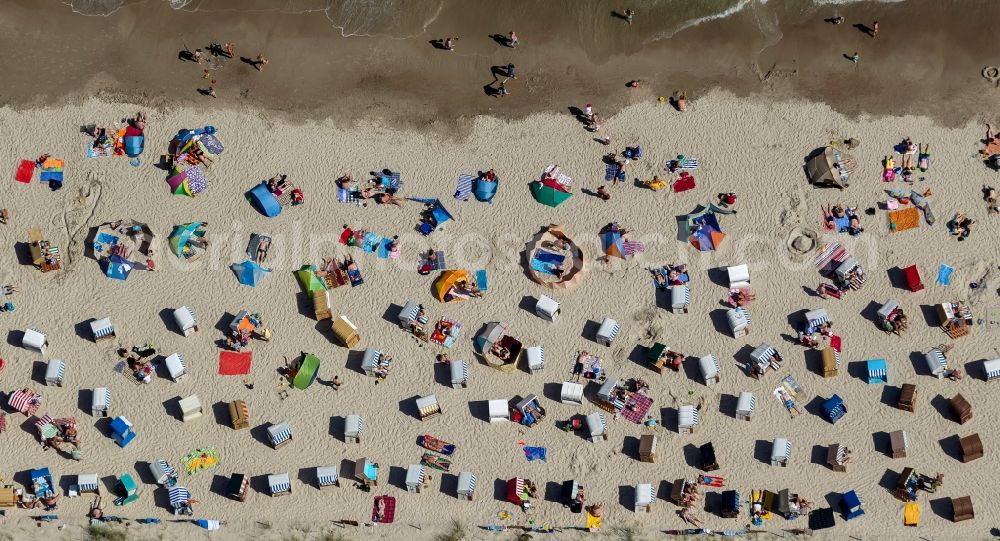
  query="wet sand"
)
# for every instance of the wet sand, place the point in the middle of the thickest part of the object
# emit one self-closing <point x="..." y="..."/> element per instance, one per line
<point x="570" y="54"/>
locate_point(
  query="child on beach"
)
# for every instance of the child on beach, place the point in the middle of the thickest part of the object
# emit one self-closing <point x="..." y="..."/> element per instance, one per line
<point x="603" y="193"/>
<point x="629" y="15"/>
<point x="512" y="40"/>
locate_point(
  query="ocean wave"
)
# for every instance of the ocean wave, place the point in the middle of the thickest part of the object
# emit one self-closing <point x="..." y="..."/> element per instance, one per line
<point x="397" y="19"/>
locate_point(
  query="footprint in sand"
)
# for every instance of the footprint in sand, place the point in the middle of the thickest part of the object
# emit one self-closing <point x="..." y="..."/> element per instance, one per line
<point x="76" y="215"/>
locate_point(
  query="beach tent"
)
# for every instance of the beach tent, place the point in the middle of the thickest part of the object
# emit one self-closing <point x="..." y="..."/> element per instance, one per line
<point x="701" y="227"/>
<point x="485" y="190"/>
<point x="612" y="244"/>
<point x="186" y="240"/>
<point x="830" y="167"/>
<point x="249" y="273"/>
<point x="310" y="282"/>
<point x="306" y="373"/>
<point x="446" y="281"/>
<point x="118" y="268"/>
<point x="547" y="194"/>
<point x="437" y="213"/>
<point x="264" y="201"/>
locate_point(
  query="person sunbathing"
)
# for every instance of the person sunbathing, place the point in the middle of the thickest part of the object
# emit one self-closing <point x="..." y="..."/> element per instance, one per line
<point x="380" y="510"/>
<point x="384" y="198"/>
<point x="661" y="282"/>
<point x="687" y="514"/>
<point x="95" y="508"/>
<point x="262" y="248"/>
<point x="501" y="352"/>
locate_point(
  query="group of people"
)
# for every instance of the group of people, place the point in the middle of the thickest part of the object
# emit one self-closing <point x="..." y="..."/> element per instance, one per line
<point x="835" y="217"/>
<point x="961" y="226"/>
<point x="670" y="275"/>
<point x="140" y="361"/>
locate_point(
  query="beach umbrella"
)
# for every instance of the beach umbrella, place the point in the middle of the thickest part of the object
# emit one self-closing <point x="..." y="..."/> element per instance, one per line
<point x="548" y="195"/>
<point x="446" y="281"/>
<point x="310" y="282"/>
<point x="118" y="268"/>
<point x="612" y="244"/>
<point x="182" y="234"/>
<point x="249" y="273"/>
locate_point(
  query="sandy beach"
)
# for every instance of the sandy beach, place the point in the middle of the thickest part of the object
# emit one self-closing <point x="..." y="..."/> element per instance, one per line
<point x="301" y="117"/>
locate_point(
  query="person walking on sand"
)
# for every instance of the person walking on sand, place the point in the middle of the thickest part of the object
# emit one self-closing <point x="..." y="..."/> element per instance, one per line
<point x="449" y="43"/>
<point x="874" y="29"/>
<point x="337" y="383"/>
<point x="211" y="90"/>
<point x="230" y="50"/>
<point x="260" y="62"/>
<point x="510" y="71"/>
<point x="629" y="15"/>
<point x="855" y="57"/>
<point x="502" y="89"/>
<point x="512" y="40"/>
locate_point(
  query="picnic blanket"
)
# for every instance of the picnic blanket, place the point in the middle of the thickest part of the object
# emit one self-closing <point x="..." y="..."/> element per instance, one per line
<point x="200" y="459"/>
<point x="536" y="453"/>
<point x="944" y="275"/>
<point x="636" y="407"/>
<point x="234" y="363"/>
<point x="904" y="219"/>
<point x="464" y="187"/>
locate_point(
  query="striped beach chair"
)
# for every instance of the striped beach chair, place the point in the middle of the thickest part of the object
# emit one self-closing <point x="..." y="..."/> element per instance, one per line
<point x="180" y="500"/>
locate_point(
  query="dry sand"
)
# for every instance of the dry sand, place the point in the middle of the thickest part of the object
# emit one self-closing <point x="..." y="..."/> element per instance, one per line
<point x="752" y="148"/>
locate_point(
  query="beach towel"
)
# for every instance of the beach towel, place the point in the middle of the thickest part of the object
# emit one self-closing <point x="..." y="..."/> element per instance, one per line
<point x="447" y="341"/>
<point x="690" y="163"/>
<point x="944" y="275"/>
<point x="200" y="459"/>
<point x="536" y="453"/>
<point x="842" y="223"/>
<point x="904" y="219"/>
<point x="542" y="267"/>
<point x="481" y="282"/>
<point x="611" y="172"/>
<point x="464" y="188"/>
<point x="831" y="252"/>
<point x="383" y="249"/>
<point x="211" y="144"/>
<point x="347" y="196"/>
<point x="549" y="257"/>
<point x="636" y="408"/>
<point x="683" y="184"/>
<point x="234" y="363"/>
<point x="371" y="242"/>
<point x="25" y="170"/>
<point x="102" y="151"/>
<point x="632" y="248"/>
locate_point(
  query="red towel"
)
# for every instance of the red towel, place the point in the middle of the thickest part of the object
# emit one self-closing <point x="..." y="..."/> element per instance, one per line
<point x="345" y="236"/>
<point x="683" y="184"/>
<point x="234" y="363"/>
<point x="24" y="171"/>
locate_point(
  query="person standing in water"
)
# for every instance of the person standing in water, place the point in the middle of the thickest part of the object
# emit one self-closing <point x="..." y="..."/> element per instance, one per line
<point x="629" y="15"/>
<point x="512" y="40"/>
<point x="874" y="29"/>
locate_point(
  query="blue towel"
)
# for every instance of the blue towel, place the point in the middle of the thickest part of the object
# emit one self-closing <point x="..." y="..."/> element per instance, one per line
<point x="944" y="275"/>
<point x="481" y="282"/>
<point x="383" y="249"/>
<point x="464" y="188"/>
<point x="549" y="257"/>
<point x="371" y="242"/>
<point x="541" y="267"/>
<point x="536" y="453"/>
<point x="843" y="223"/>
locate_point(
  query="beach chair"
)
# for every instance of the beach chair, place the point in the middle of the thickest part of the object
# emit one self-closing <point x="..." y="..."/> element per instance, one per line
<point x="913" y="281"/>
<point x="991" y="369"/>
<point x="645" y="496"/>
<point x="176" y="366"/>
<point x="164" y="474"/>
<point x="710" y="369"/>
<point x="962" y="509"/>
<point x="121" y="431"/>
<point x="187" y="322"/>
<point x="597" y="427"/>
<point x="851" y="505"/>
<point x="838" y="457"/>
<point x="127" y="489"/>
<point x="100" y="402"/>
<point x="729" y="506"/>
<point x="25" y="401"/>
<point x="739" y="321"/>
<point x="35" y="341"/>
<point x="831" y="362"/>
<point x="102" y="329"/>
<point x="709" y="461"/>
<point x="680" y="299"/>
<point x="238" y="487"/>
<point x="346" y="332"/>
<point x="55" y="373"/>
<point x="466" y="485"/>
<point x="279" y="434"/>
<point x="327" y="476"/>
<point x="547" y="308"/>
<point x="498" y="411"/>
<point x="239" y="415"/>
<point x="191" y="408"/>
<point x="815" y="319"/>
<point x="279" y="484"/>
<point x="354" y="425"/>
<point x="180" y="500"/>
<point x="459" y="371"/>
<point x="408" y="314"/>
<point x="416" y="476"/>
<point x="88" y="482"/>
<point x="607" y="332"/>
<point x="647" y="448"/>
<point x="907" y="397"/>
<point x="571" y="393"/>
<point x="781" y="452"/>
<point x="878" y="371"/>
<point x="763" y="357"/>
<point x="322" y="307"/>
<point x="899" y="443"/>
<point x="739" y="276"/>
<point x="687" y="419"/>
<point x="529" y="410"/>
<point x="370" y="361"/>
<point x="834" y="409"/>
<point x="936" y="363"/>
<point x="428" y="406"/>
<point x="536" y="359"/>
<point x="971" y="447"/>
<point x="961" y="409"/>
<point x="745" y="405"/>
<point x="366" y="471"/>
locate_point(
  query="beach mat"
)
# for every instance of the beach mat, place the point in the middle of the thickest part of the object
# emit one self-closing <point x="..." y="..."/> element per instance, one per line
<point x="904" y="219"/>
<point x="24" y="172"/>
<point x="234" y="363"/>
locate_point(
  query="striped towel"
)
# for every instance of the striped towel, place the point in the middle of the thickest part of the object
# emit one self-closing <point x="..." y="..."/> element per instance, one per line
<point x="690" y="163"/>
<point x="346" y="196"/>
<point x="632" y="248"/>
<point x="564" y="180"/>
<point x="464" y="188"/>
